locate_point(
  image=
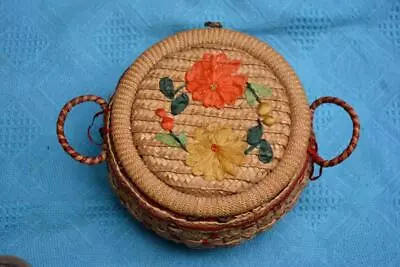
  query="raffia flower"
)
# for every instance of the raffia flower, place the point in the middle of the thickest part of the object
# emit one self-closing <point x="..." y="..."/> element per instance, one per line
<point x="214" y="152"/>
<point x="213" y="80"/>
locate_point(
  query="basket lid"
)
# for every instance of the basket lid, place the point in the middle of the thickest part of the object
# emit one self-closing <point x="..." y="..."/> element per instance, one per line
<point x="210" y="123"/>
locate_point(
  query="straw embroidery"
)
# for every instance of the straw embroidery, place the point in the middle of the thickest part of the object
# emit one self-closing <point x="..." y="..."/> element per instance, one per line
<point x="214" y="81"/>
<point x="170" y="139"/>
<point x="254" y="139"/>
<point x="215" y="151"/>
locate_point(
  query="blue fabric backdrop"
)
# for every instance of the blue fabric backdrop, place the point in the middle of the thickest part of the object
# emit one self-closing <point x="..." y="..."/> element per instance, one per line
<point x="56" y="212"/>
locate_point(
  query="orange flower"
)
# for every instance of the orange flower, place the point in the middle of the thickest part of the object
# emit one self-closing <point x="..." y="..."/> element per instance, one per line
<point x="213" y="81"/>
<point x="167" y="123"/>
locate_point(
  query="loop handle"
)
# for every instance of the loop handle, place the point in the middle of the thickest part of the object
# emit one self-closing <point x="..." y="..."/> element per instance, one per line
<point x="61" y="134"/>
<point x="313" y="147"/>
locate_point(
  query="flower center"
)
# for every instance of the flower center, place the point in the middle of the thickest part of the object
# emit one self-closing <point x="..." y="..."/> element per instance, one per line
<point x="213" y="87"/>
<point x="214" y="148"/>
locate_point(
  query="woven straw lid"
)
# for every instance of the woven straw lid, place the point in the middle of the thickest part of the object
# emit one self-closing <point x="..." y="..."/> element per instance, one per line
<point x="160" y="172"/>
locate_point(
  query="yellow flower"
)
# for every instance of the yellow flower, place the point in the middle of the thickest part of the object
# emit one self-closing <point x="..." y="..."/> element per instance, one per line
<point x="214" y="152"/>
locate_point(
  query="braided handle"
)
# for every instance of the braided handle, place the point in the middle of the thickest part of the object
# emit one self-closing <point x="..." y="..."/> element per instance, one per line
<point x="313" y="148"/>
<point x="60" y="129"/>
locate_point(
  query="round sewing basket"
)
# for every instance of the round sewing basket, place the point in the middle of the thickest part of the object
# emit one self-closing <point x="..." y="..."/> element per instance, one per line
<point x="171" y="145"/>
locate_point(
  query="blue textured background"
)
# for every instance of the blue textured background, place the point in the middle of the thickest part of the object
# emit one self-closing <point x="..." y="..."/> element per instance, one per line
<point x="56" y="212"/>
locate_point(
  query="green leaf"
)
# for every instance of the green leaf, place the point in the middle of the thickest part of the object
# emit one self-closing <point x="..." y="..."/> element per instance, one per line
<point x="179" y="104"/>
<point x="167" y="87"/>
<point x="261" y="90"/>
<point x="168" y="139"/>
<point x="254" y="134"/>
<point x="182" y="138"/>
<point x="250" y="97"/>
<point x="265" y="152"/>
<point x="249" y="149"/>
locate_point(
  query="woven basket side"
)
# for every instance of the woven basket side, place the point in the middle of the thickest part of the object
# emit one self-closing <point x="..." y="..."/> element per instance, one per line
<point x="184" y="203"/>
<point x="197" y="232"/>
<point x="197" y="238"/>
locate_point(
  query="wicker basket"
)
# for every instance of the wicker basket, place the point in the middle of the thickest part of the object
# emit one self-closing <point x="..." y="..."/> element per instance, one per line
<point x="175" y="126"/>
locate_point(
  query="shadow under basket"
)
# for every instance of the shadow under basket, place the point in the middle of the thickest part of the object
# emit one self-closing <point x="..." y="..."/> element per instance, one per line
<point x="208" y="137"/>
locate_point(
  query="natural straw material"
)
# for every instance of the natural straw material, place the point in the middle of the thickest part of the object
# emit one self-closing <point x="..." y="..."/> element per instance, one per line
<point x="169" y="164"/>
<point x="152" y="179"/>
<point x="134" y="82"/>
<point x="202" y="232"/>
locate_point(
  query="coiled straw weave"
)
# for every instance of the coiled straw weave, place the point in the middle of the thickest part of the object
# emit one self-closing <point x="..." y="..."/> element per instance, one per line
<point x="152" y="179"/>
<point x="159" y="172"/>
